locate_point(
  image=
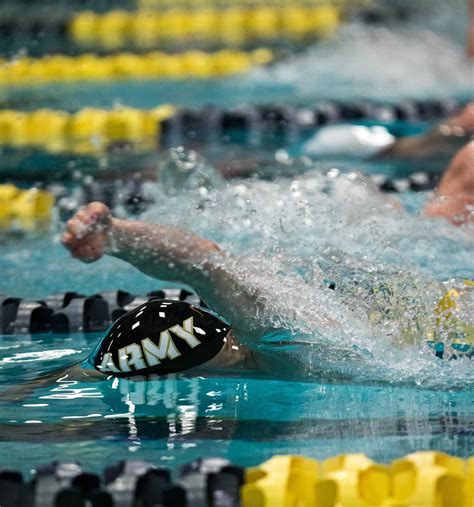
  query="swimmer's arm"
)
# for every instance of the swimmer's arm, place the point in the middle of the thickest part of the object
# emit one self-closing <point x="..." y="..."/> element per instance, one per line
<point x="441" y="141"/>
<point x="454" y="198"/>
<point x="438" y="142"/>
<point x="229" y="285"/>
<point x="179" y="256"/>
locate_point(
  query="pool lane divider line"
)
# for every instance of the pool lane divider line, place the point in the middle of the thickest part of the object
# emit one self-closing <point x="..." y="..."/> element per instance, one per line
<point x="72" y="312"/>
<point x="155" y="65"/>
<point x="33" y="209"/>
<point x="135" y="196"/>
<point x="27" y="209"/>
<point x="149" y="28"/>
<point x="420" y="479"/>
<point x="93" y="131"/>
<point x="87" y="131"/>
<point x="119" y="29"/>
<point x="158" y="5"/>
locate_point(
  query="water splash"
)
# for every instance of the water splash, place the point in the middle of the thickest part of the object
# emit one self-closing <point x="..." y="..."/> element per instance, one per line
<point x="390" y="64"/>
<point x="185" y="170"/>
<point x="294" y="236"/>
<point x="291" y="238"/>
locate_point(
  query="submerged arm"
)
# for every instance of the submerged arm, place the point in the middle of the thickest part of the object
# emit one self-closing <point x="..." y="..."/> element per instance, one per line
<point x="441" y="141"/>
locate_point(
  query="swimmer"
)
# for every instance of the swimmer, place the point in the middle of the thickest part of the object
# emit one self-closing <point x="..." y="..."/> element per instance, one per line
<point x="377" y="143"/>
<point x="163" y="336"/>
<point x="179" y="256"/>
<point x="445" y="139"/>
<point x="166" y="336"/>
<point x="185" y="336"/>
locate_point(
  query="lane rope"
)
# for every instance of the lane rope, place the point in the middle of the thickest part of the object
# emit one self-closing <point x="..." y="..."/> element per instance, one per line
<point x="424" y="478"/>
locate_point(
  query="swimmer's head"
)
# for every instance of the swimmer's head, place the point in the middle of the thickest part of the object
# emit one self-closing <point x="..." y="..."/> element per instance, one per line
<point x="160" y="337"/>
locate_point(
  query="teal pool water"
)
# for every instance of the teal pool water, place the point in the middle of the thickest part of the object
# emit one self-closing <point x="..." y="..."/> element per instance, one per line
<point x="392" y="403"/>
<point x="173" y="421"/>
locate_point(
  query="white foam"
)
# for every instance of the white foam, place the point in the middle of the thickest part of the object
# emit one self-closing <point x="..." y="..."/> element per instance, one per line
<point x="282" y="233"/>
<point x="375" y="63"/>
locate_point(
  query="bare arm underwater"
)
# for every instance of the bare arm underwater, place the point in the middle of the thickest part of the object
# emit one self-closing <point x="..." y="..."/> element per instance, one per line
<point x="443" y="140"/>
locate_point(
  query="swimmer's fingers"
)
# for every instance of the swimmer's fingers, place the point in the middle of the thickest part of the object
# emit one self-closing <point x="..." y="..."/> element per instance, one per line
<point x="87" y="253"/>
<point x="95" y="217"/>
<point x="86" y="233"/>
<point x="82" y="224"/>
<point x="68" y="240"/>
<point x="79" y="226"/>
<point x="464" y="120"/>
<point x="100" y="210"/>
<point x="84" y="251"/>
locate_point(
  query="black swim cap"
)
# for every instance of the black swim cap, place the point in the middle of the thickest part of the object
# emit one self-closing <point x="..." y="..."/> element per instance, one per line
<point x="160" y="337"/>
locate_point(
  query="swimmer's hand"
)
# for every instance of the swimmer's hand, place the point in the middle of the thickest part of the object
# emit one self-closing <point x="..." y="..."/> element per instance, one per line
<point x="88" y="232"/>
<point x="462" y="124"/>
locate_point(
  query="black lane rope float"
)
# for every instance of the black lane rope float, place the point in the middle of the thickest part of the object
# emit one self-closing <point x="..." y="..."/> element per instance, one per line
<point x="216" y="482"/>
<point x="282" y="124"/>
<point x="71" y="312"/>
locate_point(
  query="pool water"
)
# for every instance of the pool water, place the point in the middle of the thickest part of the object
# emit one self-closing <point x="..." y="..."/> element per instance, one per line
<point x="171" y="422"/>
<point x="392" y="402"/>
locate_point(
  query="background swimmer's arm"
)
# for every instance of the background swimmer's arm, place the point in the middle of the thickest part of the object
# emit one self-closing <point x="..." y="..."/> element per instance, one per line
<point x="173" y="255"/>
<point x="441" y="141"/>
<point x="437" y="142"/>
<point x="454" y="198"/>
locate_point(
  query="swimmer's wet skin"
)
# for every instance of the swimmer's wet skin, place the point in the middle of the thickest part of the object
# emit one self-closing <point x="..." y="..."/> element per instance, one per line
<point x="177" y="256"/>
<point x="376" y="142"/>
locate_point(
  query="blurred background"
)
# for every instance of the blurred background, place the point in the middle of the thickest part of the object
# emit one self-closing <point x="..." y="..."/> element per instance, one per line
<point x="93" y="87"/>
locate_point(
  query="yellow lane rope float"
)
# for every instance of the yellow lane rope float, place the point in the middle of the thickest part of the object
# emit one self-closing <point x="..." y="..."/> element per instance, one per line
<point x="153" y="65"/>
<point x="24" y="208"/>
<point x="145" y="29"/>
<point x="87" y="132"/>
<point x="428" y="479"/>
